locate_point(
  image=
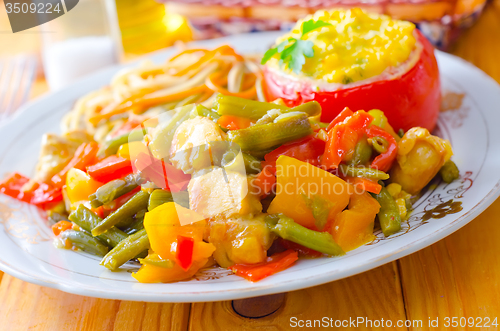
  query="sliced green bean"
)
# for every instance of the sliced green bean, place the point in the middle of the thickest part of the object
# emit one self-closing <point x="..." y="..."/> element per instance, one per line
<point x="126" y="250"/>
<point x="138" y="202"/>
<point x="135" y="227"/>
<point x="388" y="216"/>
<point x="201" y="110"/>
<point x="379" y="144"/>
<point x="87" y="220"/>
<point x="112" y="190"/>
<point x="234" y="106"/>
<point x="449" y="171"/>
<point x="266" y="136"/>
<point x="159" y="197"/>
<point x="111" y="146"/>
<point x="365" y="172"/>
<point x="162" y="263"/>
<point x="362" y="153"/>
<point x="85" y="242"/>
<point x="286" y="228"/>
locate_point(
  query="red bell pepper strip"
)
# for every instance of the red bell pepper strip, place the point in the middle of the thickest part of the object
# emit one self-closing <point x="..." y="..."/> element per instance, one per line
<point x="41" y="195"/>
<point x="265" y="181"/>
<point x="85" y="155"/>
<point x="272" y="265"/>
<point x="161" y="174"/>
<point x="365" y="183"/>
<point x="112" y="167"/>
<point x="343" y="136"/>
<point x="340" y="118"/>
<point x="308" y="149"/>
<point x="184" y="253"/>
<point x="12" y="186"/>
<point x="61" y="226"/>
<point x="383" y="162"/>
<point x="45" y="196"/>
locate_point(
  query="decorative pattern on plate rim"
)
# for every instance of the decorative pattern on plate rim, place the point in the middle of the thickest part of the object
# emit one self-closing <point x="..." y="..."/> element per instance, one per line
<point x="18" y="224"/>
<point x="437" y="206"/>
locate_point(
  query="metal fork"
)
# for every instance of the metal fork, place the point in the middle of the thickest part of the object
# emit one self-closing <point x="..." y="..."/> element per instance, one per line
<point x="16" y="78"/>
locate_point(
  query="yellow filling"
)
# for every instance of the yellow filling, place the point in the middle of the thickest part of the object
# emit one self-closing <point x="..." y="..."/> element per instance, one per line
<point x="356" y="46"/>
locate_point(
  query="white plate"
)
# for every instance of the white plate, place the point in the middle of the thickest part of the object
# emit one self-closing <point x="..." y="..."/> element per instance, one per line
<point x="26" y="241"/>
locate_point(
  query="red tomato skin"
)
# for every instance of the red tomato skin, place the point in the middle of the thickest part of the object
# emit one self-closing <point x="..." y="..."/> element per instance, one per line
<point x="410" y="100"/>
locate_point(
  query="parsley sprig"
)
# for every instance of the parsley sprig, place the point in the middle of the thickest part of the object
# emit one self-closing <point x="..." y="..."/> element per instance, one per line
<point x="293" y="52"/>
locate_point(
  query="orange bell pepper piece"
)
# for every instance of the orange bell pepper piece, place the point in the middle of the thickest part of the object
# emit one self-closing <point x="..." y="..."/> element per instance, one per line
<point x="298" y="182"/>
<point x="354" y="226"/>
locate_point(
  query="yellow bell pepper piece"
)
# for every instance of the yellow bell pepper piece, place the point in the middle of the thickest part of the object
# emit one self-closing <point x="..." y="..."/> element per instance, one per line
<point x="132" y="149"/>
<point x="163" y="226"/>
<point x="297" y="180"/>
<point x="354" y="226"/>
<point x="79" y="185"/>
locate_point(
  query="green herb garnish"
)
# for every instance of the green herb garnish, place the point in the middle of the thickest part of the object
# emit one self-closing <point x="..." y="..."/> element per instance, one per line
<point x="293" y="52"/>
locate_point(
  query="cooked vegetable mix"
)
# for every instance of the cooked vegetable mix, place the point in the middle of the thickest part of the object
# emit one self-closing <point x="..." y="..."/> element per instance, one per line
<point x="188" y="165"/>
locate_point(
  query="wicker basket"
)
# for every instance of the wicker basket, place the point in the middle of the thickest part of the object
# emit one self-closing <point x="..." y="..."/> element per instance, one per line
<point x="440" y="20"/>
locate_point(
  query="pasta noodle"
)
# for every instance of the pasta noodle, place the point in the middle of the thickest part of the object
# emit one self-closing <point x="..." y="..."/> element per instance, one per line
<point x="192" y="76"/>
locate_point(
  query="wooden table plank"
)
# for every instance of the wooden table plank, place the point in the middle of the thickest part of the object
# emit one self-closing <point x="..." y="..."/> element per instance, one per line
<point x="26" y="306"/>
<point x="375" y="294"/>
<point x="460" y="275"/>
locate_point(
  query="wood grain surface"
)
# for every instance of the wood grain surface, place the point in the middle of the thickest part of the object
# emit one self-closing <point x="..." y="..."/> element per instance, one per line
<point x="456" y="277"/>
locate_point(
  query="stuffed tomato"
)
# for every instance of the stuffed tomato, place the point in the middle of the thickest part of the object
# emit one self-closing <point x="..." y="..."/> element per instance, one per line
<point x="357" y="60"/>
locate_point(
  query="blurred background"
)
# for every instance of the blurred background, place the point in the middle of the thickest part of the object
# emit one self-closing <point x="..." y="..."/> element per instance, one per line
<point x="97" y="33"/>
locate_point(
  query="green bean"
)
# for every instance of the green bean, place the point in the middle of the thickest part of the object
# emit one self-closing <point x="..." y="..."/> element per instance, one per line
<point x="287" y="229"/>
<point x="138" y="202"/>
<point x="135" y="227"/>
<point x="126" y="250"/>
<point x="85" y="242"/>
<point x="388" y="216"/>
<point x="449" y="171"/>
<point x="112" y="190"/>
<point x="319" y="207"/>
<point x="111" y="146"/>
<point x="159" y="197"/>
<point x="311" y="108"/>
<point x="201" y="110"/>
<point x="362" y="153"/>
<point x="266" y="136"/>
<point x="365" y="172"/>
<point x="164" y="133"/>
<point x="234" y="106"/>
<point x="162" y="263"/>
<point x="379" y="144"/>
<point x="87" y="220"/>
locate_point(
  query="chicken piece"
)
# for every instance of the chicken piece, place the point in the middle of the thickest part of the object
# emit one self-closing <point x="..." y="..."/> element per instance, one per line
<point x="56" y="151"/>
<point x="193" y="142"/>
<point x="420" y="156"/>
<point x="240" y="239"/>
<point x="220" y="192"/>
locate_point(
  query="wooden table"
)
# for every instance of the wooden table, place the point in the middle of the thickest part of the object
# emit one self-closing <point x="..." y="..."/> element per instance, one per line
<point x="456" y="277"/>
